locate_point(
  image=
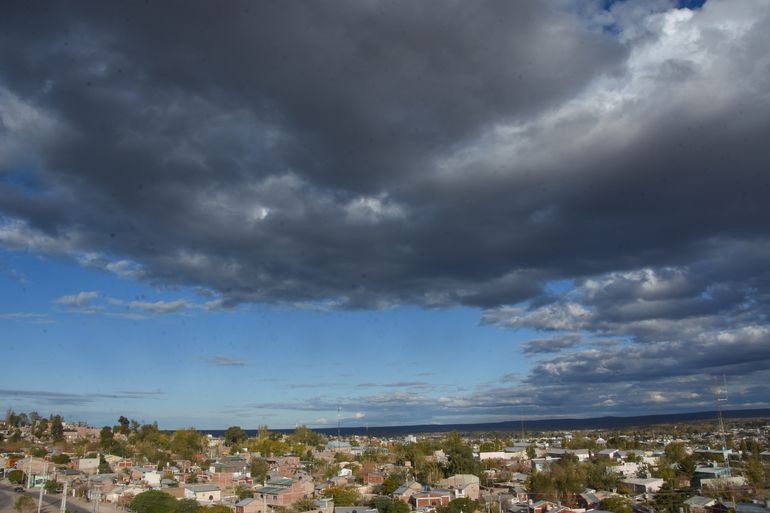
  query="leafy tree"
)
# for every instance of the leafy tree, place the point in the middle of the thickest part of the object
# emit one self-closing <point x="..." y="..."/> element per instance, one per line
<point x="392" y="482"/>
<point x="24" y="504"/>
<point x="57" y="428"/>
<point x="153" y="501"/>
<point x="755" y="472"/>
<point x="38" y="452"/>
<point x="52" y="486"/>
<point x="259" y="469"/>
<point x="123" y="422"/>
<point x="388" y="505"/>
<point x="531" y="452"/>
<point x="107" y="439"/>
<point x="243" y="492"/>
<point x="616" y="504"/>
<point x="460" y="456"/>
<point x="234" y="435"/>
<point x="186" y="506"/>
<point x="667" y="499"/>
<point x="457" y="505"/>
<point x="104" y="467"/>
<point x="343" y="496"/>
<point x="304" y="505"/>
<point x="16" y="476"/>
<point x="60" y="459"/>
<point x="186" y="443"/>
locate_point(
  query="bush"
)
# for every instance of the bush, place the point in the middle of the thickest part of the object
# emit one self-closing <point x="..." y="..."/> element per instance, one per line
<point x="153" y="501"/>
<point x="24" y="503"/>
<point x="16" y="476"/>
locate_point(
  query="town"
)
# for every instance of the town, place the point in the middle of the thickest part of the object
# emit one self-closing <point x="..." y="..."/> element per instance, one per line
<point x="697" y="467"/>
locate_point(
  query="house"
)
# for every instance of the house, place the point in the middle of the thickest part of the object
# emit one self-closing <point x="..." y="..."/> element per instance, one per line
<point x="406" y="490"/>
<point x="374" y="478"/>
<point x="249" y="505"/>
<point x="592" y="499"/>
<point x="609" y="453"/>
<point x="354" y="509"/>
<point x="338" y="446"/>
<point x="431" y="498"/>
<point x="580" y="454"/>
<point x="699" y="503"/>
<point x="710" y="472"/>
<point x="204" y="493"/>
<point x="283" y="495"/>
<point x="462" y="486"/>
<point x="641" y="485"/>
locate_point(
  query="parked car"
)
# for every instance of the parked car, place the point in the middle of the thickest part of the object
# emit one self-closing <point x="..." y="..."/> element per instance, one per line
<point x="18" y="489"/>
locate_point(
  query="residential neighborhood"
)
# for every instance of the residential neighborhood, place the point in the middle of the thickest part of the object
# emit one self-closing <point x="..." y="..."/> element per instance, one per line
<point x="139" y="467"/>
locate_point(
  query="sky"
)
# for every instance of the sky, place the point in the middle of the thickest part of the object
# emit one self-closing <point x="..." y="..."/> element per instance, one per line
<point x="242" y="213"/>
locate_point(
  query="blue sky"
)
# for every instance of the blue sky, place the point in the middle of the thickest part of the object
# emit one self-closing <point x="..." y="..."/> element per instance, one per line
<point x="211" y="369"/>
<point x="529" y="209"/>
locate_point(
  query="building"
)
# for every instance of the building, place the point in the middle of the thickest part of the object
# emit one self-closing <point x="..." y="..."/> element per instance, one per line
<point x="641" y="485"/>
<point x="203" y="493"/>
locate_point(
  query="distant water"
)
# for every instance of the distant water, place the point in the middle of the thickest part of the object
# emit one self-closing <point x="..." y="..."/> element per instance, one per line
<point x="515" y="426"/>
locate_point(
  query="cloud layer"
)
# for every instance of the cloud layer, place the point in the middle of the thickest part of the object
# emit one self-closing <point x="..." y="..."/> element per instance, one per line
<point x="365" y="155"/>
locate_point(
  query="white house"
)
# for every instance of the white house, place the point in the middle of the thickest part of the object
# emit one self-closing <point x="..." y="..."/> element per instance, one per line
<point x="203" y="493"/>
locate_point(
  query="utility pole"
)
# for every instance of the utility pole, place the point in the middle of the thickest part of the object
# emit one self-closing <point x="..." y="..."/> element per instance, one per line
<point x="63" y="508"/>
<point x="40" y="498"/>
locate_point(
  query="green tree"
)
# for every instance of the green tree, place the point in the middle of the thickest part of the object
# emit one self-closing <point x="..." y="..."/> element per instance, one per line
<point x="186" y="506"/>
<point x="343" y="496"/>
<point x="304" y="505"/>
<point x="234" y="435"/>
<point x="123" y="422"/>
<point x="16" y="476"/>
<point x="104" y="467"/>
<point x="259" y="469"/>
<point x="388" y="505"/>
<point x="107" y="439"/>
<point x="60" y="459"/>
<point x="392" y="482"/>
<point x="153" y="501"/>
<point x="57" y="428"/>
<point x="186" y="443"/>
<point x="463" y="505"/>
<point x="52" y="486"/>
<point x="616" y="504"/>
<point x="460" y="454"/>
<point x="667" y="499"/>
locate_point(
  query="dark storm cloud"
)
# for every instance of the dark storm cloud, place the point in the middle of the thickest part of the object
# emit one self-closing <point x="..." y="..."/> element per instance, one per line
<point x="368" y="154"/>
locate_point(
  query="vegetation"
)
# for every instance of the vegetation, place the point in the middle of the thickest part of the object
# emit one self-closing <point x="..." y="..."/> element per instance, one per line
<point x="388" y="505"/>
<point x="24" y="504"/>
<point x="343" y="496"/>
<point x="16" y="476"/>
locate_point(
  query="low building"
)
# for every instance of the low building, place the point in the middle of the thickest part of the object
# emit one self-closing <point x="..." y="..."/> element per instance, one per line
<point x="432" y="498"/>
<point x="641" y="485"/>
<point x="204" y="493"/>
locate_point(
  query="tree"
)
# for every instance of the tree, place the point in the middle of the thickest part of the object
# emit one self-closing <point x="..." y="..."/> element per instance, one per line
<point x="123" y="422"/>
<point x="104" y="467"/>
<point x="388" y="505"/>
<point x="60" y="459"/>
<point x="616" y="504"/>
<point x="57" y="428"/>
<point x="24" y="504"/>
<point x="186" y="443"/>
<point x="463" y="505"/>
<point x="186" y="506"/>
<point x="16" y="476"/>
<point x="153" y="501"/>
<point x="258" y="468"/>
<point x="343" y="496"/>
<point x="304" y="505"/>
<point x="392" y="482"/>
<point x="667" y="499"/>
<point x="106" y="439"/>
<point x="234" y="435"/>
<point x="243" y="492"/>
<point x="52" y="486"/>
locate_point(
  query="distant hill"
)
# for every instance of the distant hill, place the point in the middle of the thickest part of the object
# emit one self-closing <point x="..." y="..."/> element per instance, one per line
<point x="515" y="426"/>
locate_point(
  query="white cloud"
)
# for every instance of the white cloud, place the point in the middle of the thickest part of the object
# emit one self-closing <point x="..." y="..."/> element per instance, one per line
<point x="78" y="300"/>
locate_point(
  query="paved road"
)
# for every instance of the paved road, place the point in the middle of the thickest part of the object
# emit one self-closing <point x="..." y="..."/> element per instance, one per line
<point x="51" y="503"/>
